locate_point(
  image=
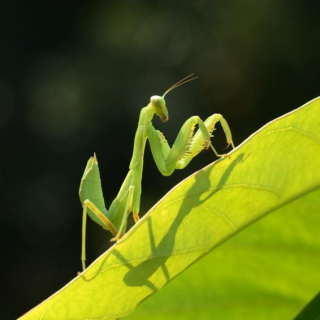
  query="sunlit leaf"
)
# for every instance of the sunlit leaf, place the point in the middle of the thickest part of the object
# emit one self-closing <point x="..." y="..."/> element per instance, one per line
<point x="275" y="166"/>
<point x="268" y="271"/>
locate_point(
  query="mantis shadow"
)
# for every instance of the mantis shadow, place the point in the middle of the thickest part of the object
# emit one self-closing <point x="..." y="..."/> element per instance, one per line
<point x="311" y="311"/>
<point x="140" y="275"/>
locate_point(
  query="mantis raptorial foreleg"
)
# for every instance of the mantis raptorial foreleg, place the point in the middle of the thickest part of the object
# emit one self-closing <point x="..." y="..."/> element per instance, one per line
<point x="198" y="142"/>
<point x="186" y="146"/>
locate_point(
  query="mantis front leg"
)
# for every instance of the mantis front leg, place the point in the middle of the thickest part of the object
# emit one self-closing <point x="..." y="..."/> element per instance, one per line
<point x="187" y="145"/>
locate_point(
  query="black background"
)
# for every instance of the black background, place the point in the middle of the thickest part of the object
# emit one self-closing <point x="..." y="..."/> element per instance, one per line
<point x="73" y="78"/>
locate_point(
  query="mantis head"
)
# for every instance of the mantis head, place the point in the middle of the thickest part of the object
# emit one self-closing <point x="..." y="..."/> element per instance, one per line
<point x="159" y="105"/>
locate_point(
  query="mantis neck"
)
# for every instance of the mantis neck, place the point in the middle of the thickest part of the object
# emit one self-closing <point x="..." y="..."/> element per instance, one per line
<point x="146" y="116"/>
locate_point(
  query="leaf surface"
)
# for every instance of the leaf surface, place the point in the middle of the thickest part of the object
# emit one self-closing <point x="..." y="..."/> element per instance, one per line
<point x="277" y="165"/>
<point x="268" y="271"/>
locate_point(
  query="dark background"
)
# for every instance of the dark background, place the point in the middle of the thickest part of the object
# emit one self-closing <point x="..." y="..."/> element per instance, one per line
<point x="73" y="78"/>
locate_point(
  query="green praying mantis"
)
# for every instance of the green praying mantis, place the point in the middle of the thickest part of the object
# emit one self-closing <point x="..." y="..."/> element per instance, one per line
<point x="186" y="146"/>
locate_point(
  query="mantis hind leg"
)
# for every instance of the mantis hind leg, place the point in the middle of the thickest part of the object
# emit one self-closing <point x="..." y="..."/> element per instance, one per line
<point x="103" y="219"/>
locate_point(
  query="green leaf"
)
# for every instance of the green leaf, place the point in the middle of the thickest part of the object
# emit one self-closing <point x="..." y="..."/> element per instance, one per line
<point x="268" y="271"/>
<point x="275" y="169"/>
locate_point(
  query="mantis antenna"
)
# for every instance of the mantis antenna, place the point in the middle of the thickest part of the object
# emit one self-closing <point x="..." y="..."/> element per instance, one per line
<point x="179" y="83"/>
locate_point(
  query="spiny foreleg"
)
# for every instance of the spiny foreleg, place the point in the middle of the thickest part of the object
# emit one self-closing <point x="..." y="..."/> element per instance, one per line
<point x="166" y="158"/>
<point x="198" y="142"/>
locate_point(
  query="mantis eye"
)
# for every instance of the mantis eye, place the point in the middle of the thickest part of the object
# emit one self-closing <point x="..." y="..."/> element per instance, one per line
<point x="157" y="101"/>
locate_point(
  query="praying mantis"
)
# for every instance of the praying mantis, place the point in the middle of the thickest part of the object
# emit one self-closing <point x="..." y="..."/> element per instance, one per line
<point x="186" y="146"/>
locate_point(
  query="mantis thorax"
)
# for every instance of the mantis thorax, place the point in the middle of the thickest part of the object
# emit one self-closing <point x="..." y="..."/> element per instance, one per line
<point x="159" y="105"/>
